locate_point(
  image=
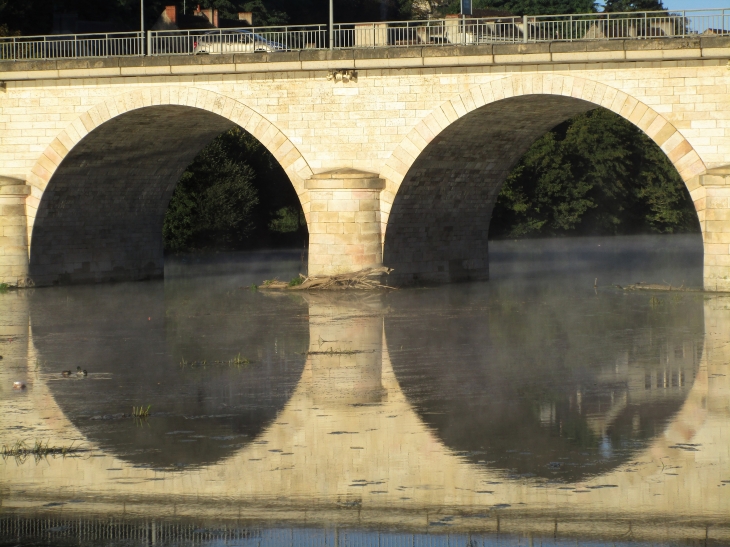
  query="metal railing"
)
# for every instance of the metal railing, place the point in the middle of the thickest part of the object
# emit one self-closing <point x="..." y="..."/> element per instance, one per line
<point x="530" y="29"/>
<point x="72" y="46"/>
<point x="237" y="40"/>
<point x="454" y="30"/>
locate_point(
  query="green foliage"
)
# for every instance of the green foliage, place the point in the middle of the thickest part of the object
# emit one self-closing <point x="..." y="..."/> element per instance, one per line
<point x="5" y="29"/>
<point x="4" y="287"/>
<point x="287" y="220"/>
<point x="596" y="174"/>
<point x="527" y="7"/>
<point x="634" y="5"/>
<point x="234" y="195"/>
<point x="296" y="281"/>
<point x="265" y="16"/>
<point x="213" y="203"/>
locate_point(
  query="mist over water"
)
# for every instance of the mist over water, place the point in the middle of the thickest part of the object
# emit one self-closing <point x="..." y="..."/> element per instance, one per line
<point x="547" y="405"/>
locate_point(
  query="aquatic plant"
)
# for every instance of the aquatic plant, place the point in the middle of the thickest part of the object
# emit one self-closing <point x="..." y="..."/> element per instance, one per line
<point x="296" y="281"/>
<point x="254" y="287"/>
<point x="141" y="411"/>
<point x="339" y="351"/>
<point x="238" y="361"/>
<point x="4" y="287"/>
<point x="20" y="450"/>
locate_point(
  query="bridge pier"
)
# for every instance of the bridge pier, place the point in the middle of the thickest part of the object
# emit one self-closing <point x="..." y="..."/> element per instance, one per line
<point x="711" y="195"/>
<point x="13" y="232"/>
<point x="344" y="223"/>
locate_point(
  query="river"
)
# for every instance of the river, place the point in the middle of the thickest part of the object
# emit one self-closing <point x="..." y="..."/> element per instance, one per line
<point x="547" y="406"/>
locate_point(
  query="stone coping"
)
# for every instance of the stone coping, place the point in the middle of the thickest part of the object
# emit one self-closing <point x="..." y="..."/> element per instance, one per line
<point x="345" y="179"/>
<point x="11" y="181"/>
<point x="15" y="190"/>
<point x="655" y="49"/>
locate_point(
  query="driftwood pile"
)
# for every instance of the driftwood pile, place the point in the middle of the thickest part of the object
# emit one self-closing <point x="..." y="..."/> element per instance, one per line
<point x="367" y="279"/>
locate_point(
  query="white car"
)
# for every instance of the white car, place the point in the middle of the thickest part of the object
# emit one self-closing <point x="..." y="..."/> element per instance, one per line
<point x="234" y="41"/>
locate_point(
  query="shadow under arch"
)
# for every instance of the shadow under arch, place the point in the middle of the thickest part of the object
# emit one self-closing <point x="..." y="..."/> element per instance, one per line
<point x="101" y="189"/>
<point x="445" y="176"/>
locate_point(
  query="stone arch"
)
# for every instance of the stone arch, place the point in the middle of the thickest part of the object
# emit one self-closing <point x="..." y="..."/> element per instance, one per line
<point x="492" y="114"/>
<point x="178" y="122"/>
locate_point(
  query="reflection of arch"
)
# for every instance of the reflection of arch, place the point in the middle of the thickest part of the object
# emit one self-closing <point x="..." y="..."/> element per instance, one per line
<point x="444" y="177"/>
<point x="380" y="460"/>
<point x="113" y="171"/>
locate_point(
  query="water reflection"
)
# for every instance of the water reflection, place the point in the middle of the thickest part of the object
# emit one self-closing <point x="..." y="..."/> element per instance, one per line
<point x="528" y="405"/>
<point x="562" y="384"/>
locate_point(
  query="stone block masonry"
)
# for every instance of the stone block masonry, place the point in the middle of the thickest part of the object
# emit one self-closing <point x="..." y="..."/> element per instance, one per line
<point x="399" y="165"/>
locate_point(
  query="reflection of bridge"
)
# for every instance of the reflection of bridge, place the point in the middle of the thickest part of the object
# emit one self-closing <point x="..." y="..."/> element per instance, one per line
<point x="427" y="128"/>
<point x="349" y="448"/>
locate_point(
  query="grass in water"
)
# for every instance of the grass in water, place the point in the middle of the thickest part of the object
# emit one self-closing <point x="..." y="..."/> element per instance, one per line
<point x="20" y="450"/>
<point x="296" y="281"/>
<point x="237" y="362"/>
<point x="4" y="287"/>
<point x="338" y="351"/>
<point x="141" y="411"/>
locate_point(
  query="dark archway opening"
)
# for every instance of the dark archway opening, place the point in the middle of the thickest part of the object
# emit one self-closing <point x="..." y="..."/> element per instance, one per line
<point x="102" y="214"/>
<point x="234" y="196"/>
<point x="617" y="182"/>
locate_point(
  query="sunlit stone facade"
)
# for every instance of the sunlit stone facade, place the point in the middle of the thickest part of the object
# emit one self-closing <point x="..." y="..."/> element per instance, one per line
<point x="101" y="142"/>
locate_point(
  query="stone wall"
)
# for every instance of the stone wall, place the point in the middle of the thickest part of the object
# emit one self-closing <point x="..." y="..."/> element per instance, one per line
<point x="13" y="232"/>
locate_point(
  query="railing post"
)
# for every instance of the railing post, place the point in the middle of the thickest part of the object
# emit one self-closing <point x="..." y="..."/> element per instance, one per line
<point x="149" y="42"/>
<point x="525" y="32"/>
<point x="570" y="27"/>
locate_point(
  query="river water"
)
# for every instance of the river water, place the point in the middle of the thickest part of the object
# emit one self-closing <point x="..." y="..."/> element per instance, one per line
<point x="545" y="407"/>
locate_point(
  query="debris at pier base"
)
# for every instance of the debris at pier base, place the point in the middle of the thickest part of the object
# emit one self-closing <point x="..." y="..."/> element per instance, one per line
<point x="367" y="279"/>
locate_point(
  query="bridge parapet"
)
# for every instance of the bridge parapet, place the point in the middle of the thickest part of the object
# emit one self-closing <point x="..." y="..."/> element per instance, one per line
<point x="611" y="51"/>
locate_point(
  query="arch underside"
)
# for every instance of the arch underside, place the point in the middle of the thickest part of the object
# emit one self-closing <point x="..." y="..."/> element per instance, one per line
<point x="101" y="215"/>
<point x="439" y="223"/>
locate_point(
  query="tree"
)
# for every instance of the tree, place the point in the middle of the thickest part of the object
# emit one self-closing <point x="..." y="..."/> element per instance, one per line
<point x="596" y="174"/>
<point x="213" y="203"/>
<point x="234" y="195"/>
<point x="634" y="5"/>
<point x="529" y="7"/>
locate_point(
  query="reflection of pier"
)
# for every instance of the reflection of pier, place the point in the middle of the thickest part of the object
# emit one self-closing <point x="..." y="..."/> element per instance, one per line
<point x="348" y="448"/>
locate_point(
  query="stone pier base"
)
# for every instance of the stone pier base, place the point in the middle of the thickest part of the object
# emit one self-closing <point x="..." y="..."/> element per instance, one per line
<point x="344" y="224"/>
<point x="711" y="195"/>
<point x="13" y="232"/>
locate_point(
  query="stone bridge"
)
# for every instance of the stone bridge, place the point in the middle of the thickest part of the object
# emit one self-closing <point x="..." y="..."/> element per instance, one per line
<point x="398" y="162"/>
